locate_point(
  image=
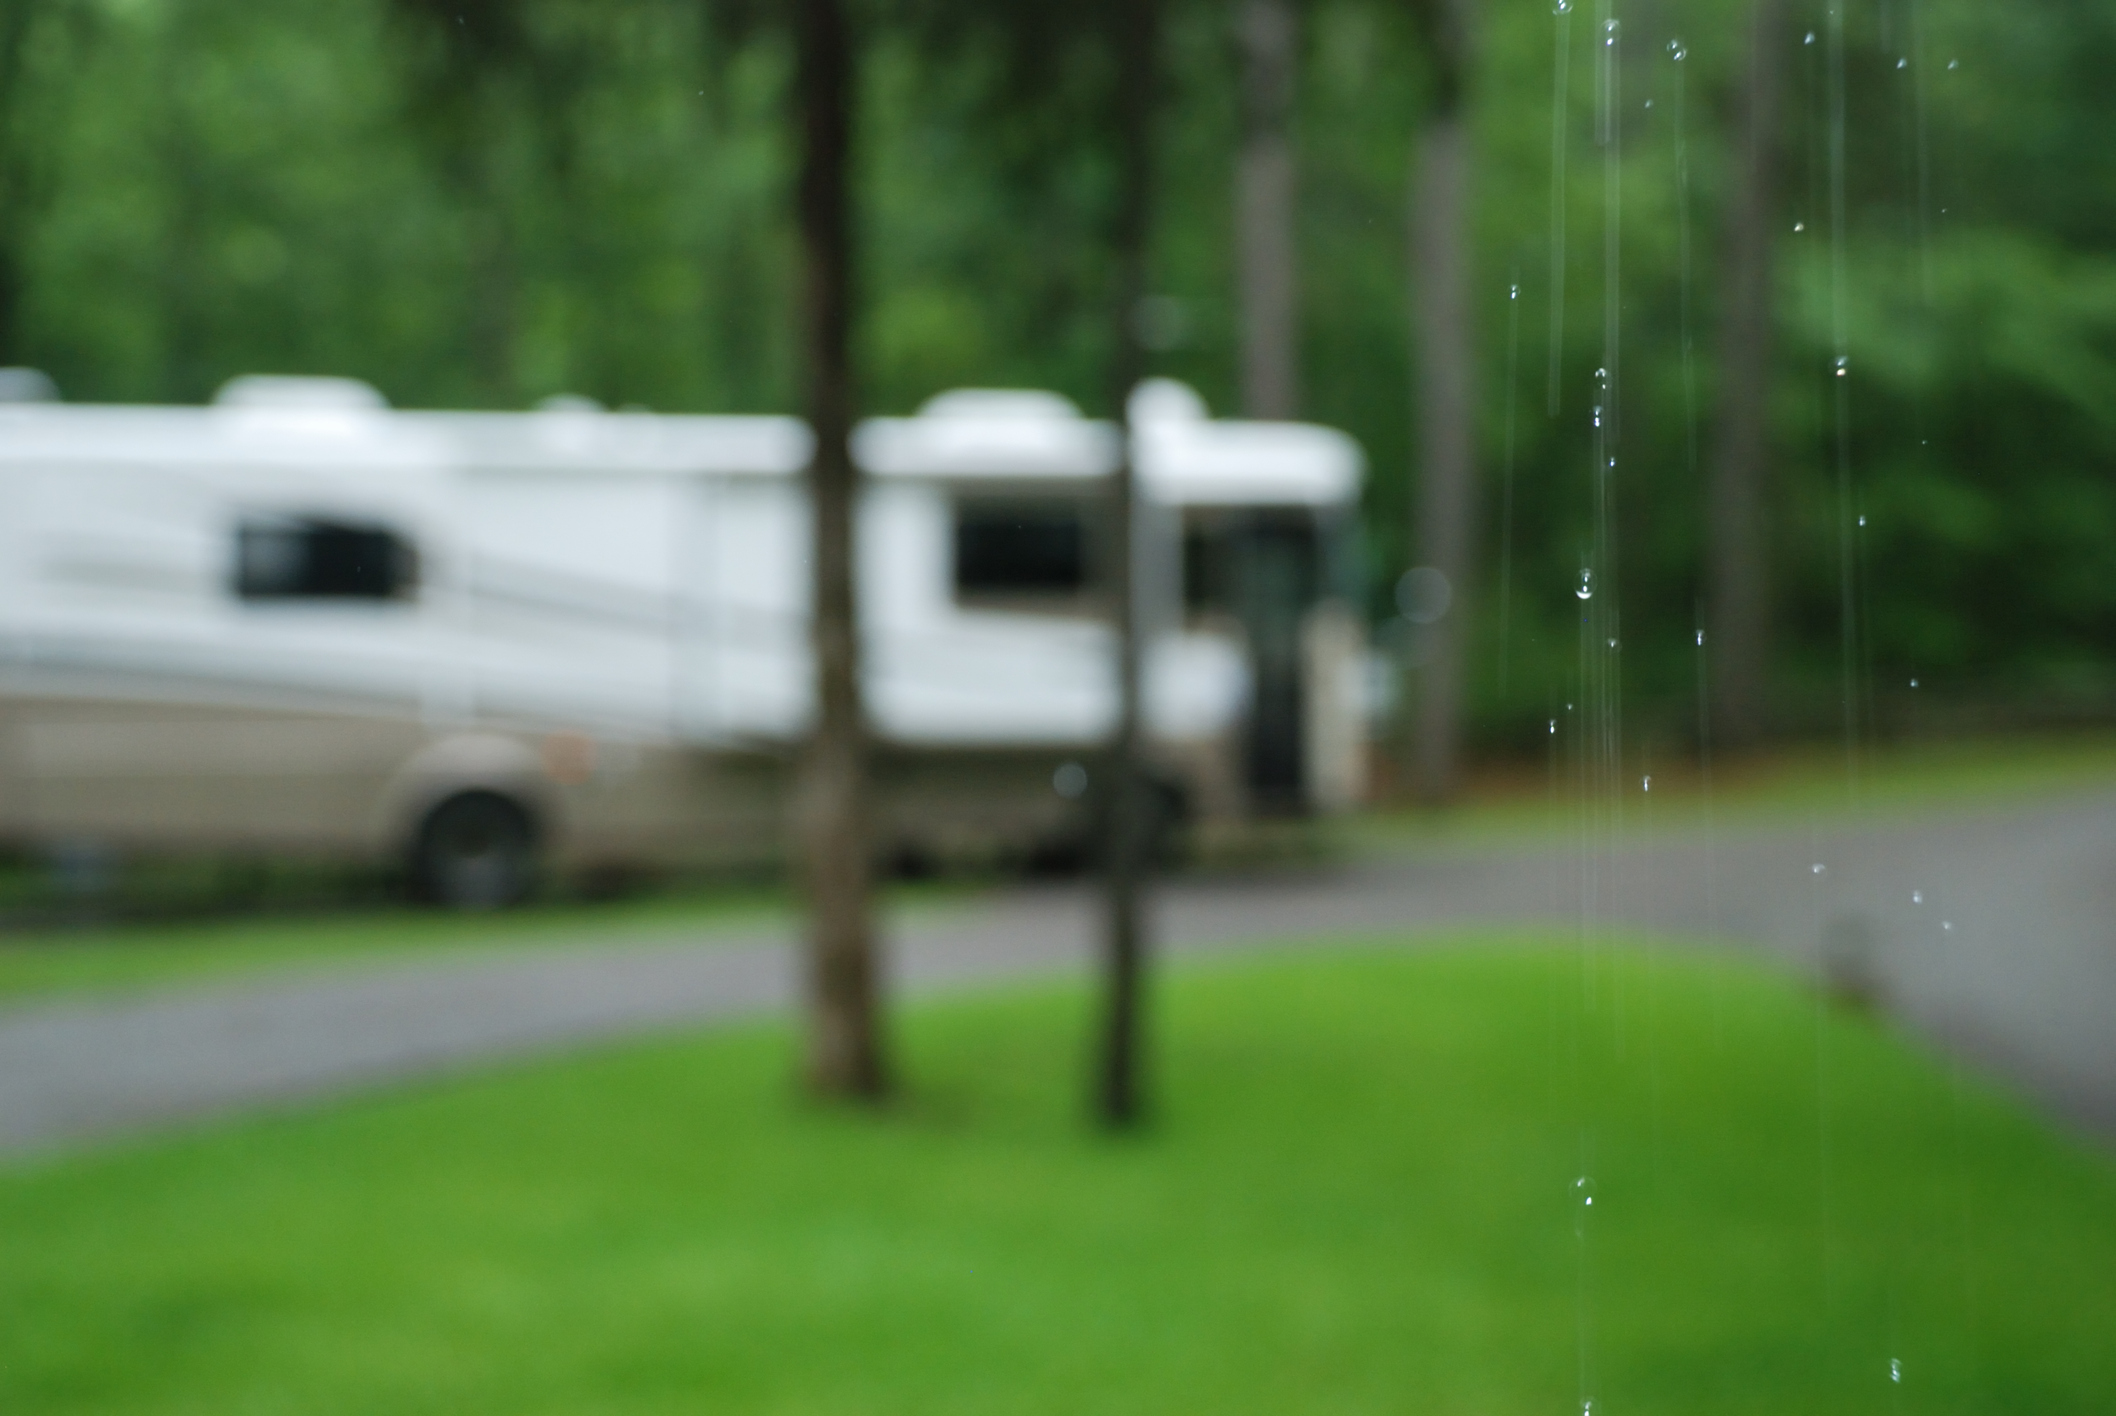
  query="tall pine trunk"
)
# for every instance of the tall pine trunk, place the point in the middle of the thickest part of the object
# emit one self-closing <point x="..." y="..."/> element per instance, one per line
<point x="1264" y="206"/>
<point x="1445" y="533"/>
<point x="1120" y="1098"/>
<point x="844" y="1028"/>
<point x="1739" y="614"/>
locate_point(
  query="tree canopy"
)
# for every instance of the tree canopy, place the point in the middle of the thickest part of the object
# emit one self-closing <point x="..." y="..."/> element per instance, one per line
<point x="485" y="204"/>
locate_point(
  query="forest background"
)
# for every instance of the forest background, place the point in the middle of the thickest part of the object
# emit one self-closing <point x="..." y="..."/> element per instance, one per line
<point x="195" y="189"/>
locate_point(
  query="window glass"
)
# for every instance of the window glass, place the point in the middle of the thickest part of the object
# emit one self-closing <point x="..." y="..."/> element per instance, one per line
<point x="318" y="559"/>
<point x="1035" y="550"/>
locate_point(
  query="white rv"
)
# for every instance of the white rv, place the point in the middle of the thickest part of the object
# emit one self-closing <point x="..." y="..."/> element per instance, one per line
<point x="299" y="621"/>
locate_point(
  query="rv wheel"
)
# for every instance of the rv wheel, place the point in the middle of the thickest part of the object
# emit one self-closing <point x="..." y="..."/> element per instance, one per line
<point x="474" y="852"/>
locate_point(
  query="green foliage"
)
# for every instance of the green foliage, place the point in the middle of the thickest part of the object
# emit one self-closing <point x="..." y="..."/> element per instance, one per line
<point x="1976" y="308"/>
<point x="313" y="191"/>
<point x="1985" y="426"/>
<point x="488" y="204"/>
<point x="1362" y="1198"/>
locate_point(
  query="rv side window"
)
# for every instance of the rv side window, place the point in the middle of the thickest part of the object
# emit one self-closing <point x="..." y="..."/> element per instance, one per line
<point x="315" y="559"/>
<point x="1020" y="550"/>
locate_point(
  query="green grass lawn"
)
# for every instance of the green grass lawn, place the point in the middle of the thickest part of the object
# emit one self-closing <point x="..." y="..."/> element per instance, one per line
<point x="1359" y="1196"/>
<point x="146" y="954"/>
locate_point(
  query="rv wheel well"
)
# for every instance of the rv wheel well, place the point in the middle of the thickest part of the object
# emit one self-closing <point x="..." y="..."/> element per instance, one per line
<point x="474" y="849"/>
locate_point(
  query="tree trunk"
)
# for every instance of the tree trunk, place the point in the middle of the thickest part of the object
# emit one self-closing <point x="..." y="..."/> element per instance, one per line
<point x="15" y="158"/>
<point x="1119" y="1093"/>
<point x="844" y="1032"/>
<point x="182" y="272"/>
<point x="492" y="289"/>
<point x="1445" y="535"/>
<point x="471" y="71"/>
<point x="1264" y="203"/>
<point x="1739" y="615"/>
<point x="11" y="289"/>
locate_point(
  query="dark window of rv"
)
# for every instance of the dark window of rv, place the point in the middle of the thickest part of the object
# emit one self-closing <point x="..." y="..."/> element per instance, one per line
<point x="316" y="559"/>
<point x="1238" y="560"/>
<point x="1008" y="550"/>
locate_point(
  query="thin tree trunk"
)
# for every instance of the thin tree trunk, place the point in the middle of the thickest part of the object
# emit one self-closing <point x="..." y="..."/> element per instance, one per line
<point x="1739" y="615"/>
<point x="15" y="158"/>
<point x="1264" y="202"/>
<point x="1446" y="505"/>
<point x="1120" y="1093"/>
<point x="844" y="1031"/>
<point x="493" y="283"/>
<point x="11" y="289"/>
<point x="186" y="299"/>
<point x="472" y="72"/>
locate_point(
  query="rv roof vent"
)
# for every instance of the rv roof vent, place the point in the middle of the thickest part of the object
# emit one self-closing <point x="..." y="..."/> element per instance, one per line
<point x="1002" y="405"/>
<point x="27" y="386"/>
<point x="299" y="391"/>
<point x="1166" y="401"/>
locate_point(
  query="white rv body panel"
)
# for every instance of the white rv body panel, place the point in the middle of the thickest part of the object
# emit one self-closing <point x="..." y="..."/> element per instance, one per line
<point x="590" y="587"/>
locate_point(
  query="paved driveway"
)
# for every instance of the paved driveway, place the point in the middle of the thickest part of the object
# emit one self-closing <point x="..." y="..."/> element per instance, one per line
<point x="1994" y="931"/>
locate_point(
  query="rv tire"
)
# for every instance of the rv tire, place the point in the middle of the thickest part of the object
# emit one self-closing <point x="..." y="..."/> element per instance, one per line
<point x="474" y="851"/>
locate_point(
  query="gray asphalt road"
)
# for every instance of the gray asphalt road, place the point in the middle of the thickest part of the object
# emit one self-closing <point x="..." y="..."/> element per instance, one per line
<point x="1994" y="932"/>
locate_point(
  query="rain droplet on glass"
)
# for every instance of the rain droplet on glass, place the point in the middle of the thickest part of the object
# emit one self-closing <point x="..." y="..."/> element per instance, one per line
<point x="1902" y="63"/>
<point x="1947" y="924"/>
<point x="1816" y="867"/>
<point x="1562" y="7"/>
<point x="1895" y="1369"/>
<point x="1585" y="592"/>
<point x="1553" y="727"/>
<point x="1862" y="521"/>
<point x="1676" y="51"/>
<point x="1799" y="226"/>
<point x="1913" y="683"/>
<point x="1810" y="38"/>
<point x="1954" y="63"/>
<point x="1700" y="639"/>
<point x="1917" y="897"/>
<point x="1646" y="784"/>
